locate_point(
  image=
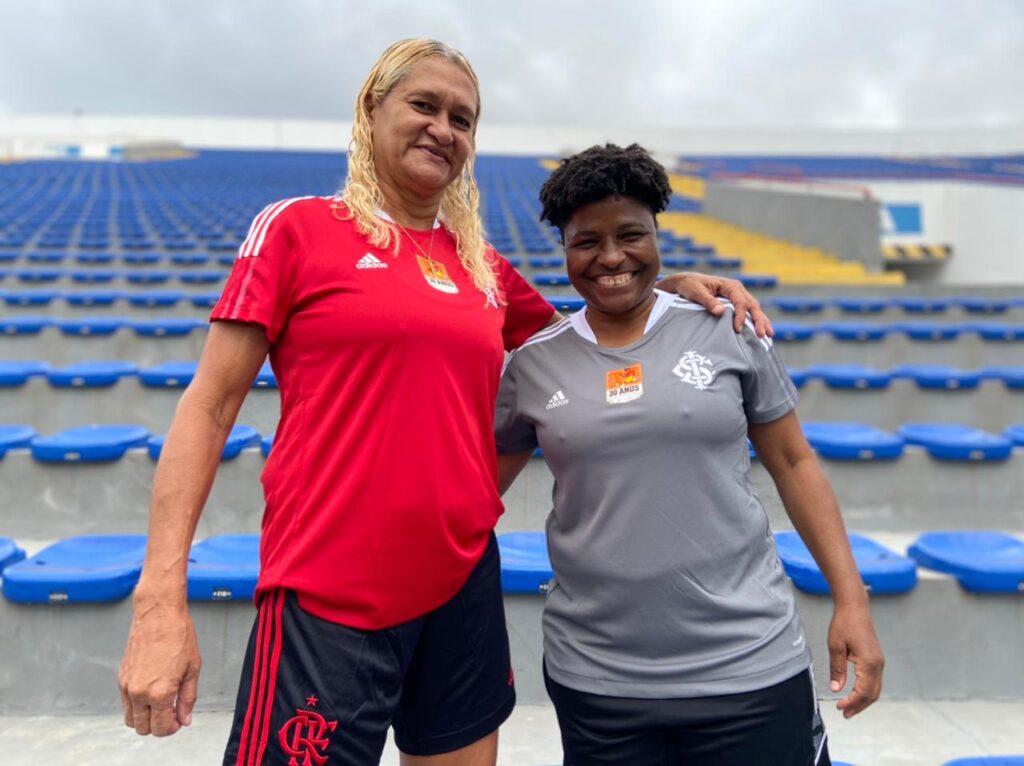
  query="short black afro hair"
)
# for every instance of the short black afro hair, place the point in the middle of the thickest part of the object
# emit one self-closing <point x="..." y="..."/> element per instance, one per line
<point x="601" y="172"/>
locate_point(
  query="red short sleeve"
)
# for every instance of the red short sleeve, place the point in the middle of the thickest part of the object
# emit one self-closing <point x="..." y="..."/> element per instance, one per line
<point x="527" y="311"/>
<point x="260" y="284"/>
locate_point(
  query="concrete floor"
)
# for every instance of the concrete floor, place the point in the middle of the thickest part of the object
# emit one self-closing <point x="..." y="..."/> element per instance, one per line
<point x="889" y="734"/>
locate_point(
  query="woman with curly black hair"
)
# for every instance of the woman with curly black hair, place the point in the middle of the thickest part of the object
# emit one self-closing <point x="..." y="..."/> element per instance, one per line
<point x="670" y="630"/>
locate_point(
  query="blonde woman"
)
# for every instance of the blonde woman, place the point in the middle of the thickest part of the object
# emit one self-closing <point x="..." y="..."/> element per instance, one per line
<point x="386" y="317"/>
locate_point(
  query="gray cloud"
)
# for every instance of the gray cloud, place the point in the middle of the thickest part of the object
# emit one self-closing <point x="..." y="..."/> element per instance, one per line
<point x="917" y="63"/>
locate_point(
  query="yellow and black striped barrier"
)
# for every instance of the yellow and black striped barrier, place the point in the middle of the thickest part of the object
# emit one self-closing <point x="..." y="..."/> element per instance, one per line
<point x="917" y="253"/>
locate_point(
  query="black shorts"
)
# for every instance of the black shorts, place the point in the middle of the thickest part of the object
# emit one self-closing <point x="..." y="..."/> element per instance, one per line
<point x="312" y="689"/>
<point x="777" y="726"/>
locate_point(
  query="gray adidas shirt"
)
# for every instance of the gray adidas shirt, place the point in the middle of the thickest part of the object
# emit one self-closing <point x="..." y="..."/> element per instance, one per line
<point x="667" y="582"/>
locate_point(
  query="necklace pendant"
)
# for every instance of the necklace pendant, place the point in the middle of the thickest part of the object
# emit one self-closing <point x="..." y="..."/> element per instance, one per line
<point x="437" y="275"/>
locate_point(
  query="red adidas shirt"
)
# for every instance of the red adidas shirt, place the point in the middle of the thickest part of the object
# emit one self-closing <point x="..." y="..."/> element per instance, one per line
<point x="381" y="486"/>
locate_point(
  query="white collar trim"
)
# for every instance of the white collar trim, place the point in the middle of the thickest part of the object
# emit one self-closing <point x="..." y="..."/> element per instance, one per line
<point x="662" y="301"/>
<point x="381" y="214"/>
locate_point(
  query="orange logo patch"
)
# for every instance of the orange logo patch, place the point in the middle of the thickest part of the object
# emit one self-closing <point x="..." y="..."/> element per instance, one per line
<point x="624" y="385"/>
<point x="436" y="275"/>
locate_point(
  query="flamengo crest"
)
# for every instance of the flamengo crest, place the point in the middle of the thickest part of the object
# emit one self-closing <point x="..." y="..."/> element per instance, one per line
<point x="694" y="369"/>
<point x="305" y="738"/>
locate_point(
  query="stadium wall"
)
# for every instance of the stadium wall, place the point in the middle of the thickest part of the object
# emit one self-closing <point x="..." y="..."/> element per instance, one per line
<point x="984" y="224"/>
<point x="325" y="135"/>
<point x="838" y="219"/>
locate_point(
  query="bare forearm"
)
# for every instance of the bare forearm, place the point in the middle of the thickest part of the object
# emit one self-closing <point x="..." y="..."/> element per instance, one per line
<point x="184" y="475"/>
<point x="812" y="507"/>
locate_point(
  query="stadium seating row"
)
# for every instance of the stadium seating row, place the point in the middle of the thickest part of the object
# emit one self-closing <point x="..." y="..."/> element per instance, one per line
<point x="179" y="374"/>
<point x="108" y="276"/>
<point x="836" y="441"/>
<point x="107" y="567"/>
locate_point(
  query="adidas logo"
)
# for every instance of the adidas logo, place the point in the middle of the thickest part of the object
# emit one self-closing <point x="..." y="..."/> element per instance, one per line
<point x="557" y="400"/>
<point x="370" y="261"/>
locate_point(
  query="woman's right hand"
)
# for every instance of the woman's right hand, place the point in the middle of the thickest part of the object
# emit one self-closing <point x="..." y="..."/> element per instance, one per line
<point x="852" y="639"/>
<point x="159" y="674"/>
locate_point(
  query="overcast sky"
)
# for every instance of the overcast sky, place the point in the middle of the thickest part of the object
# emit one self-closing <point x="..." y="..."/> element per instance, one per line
<point x="627" y="63"/>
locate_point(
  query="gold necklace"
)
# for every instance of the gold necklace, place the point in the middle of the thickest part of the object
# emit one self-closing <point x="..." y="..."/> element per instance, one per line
<point x="426" y="253"/>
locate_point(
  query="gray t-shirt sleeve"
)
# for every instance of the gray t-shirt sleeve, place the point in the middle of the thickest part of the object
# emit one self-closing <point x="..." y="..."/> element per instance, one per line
<point x="512" y="433"/>
<point x="768" y="392"/>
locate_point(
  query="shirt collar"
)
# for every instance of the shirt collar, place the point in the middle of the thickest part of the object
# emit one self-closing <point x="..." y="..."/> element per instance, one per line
<point x="381" y="214"/>
<point x="662" y="301"/>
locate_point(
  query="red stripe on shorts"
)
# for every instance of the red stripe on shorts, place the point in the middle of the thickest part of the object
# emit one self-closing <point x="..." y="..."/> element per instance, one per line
<point x="267" y="705"/>
<point x="259" y="669"/>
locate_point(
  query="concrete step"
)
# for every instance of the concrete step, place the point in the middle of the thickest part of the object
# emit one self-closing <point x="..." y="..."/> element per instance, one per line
<point x="48" y="408"/>
<point x="941" y="642"/>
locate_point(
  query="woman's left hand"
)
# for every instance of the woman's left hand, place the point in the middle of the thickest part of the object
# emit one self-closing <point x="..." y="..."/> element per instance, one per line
<point x="705" y="289"/>
<point x="851" y="638"/>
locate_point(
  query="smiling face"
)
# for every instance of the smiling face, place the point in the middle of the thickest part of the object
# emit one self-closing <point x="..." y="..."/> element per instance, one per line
<point x="423" y="130"/>
<point x="611" y="256"/>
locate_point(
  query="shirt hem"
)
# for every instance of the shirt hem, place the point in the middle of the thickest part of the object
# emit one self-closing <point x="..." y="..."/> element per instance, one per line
<point x="675" y="690"/>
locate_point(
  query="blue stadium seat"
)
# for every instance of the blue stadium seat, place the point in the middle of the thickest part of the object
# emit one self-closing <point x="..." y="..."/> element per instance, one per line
<point x="882" y="570"/>
<point x="148" y="277"/>
<point x="46" y="257"/>
<point x="15" y="437"/>
<point x="239" y="439"/>
<point x="93" y="297"/>
<point x="861" y="305"/>
<point x="525" y="567"/>
<point x="93" y="276"/>
<point x="546" y="262"/>
<point x="954" y="441"/>
<point x="142" y="259"/>
<point x="849" y="376"/>
<point x="17" y="373"/>
<point x="265" y="378"/>
<point x="267" y="444"/>
<point x="986" y="760"/>
<point x="799" y="377"/>
<point x="724" y="262"/>
<point x="78" y="569"/>
<point x="89" y="444"/>
<point x="852" y="441"/>
<point x="933" y="376"/>
<point x="31" y="298"/>
<point x="155" y="298"/>
<point x="790" y="304"/>
<point x="224" y="568"/>
<point x="10" y="553"/>
<point x="188" y="259"/>
<point x="998" y="331"/>
<point x="566" y="302"/>
<point x="678" y="262"/>
<point x="928" y="331"/>
<point x="91" y="325"/>
<point x="1012" y="377"/>
<point x="982" y="561"/>
<point x="755" y="281"/>
<point x="855" y="331"/>
<point x="94" y="259"/>
<point x="168" y="375"/>
<point x="38" y="276"/>
<point x="1015" y="433"/>
<point x="204" y="300"/>
<point x="793" y="332"/>
<point x="90" y="374"/>
<point x="982" y="305"/>
<point x="166" y="327"/>
<point x="551" y="279"/>
<point x="205" y="277"/>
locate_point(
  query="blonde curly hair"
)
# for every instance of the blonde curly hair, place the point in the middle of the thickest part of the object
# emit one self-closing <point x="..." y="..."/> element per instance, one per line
<point x="460" y="203"/>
